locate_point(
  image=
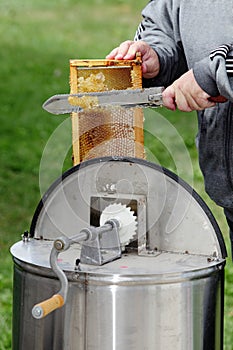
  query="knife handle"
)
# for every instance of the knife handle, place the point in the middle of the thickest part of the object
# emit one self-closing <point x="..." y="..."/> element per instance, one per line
<point x="218" y="99"/>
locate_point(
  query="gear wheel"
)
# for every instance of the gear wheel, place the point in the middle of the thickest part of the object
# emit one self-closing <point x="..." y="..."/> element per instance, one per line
<point x="126" y="218"/>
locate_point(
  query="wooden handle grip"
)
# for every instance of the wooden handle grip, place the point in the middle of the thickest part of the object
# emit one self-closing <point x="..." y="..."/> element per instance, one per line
<point x="45" y="307"/>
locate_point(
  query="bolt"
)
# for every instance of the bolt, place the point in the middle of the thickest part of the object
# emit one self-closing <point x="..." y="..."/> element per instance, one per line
<point x="58" y="244"/>
<point x="110" y="188"/>
<point x="37" y="312"/>
<point x="77" y="262"/>
<point x="213" y="258"/>
<point x="150" y="252"/>
<point x="25" y="236"/>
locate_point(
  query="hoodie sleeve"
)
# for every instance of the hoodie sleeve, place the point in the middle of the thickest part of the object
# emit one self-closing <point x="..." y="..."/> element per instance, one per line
<point x="159" y="28"/>
<point x="214" y="73"/>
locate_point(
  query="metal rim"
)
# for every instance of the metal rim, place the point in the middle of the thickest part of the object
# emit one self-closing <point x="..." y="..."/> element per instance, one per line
<point x="100" y="278"/>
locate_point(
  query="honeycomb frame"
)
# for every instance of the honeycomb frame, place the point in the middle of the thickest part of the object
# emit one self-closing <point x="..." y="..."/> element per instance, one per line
<point x="107" y="132"/>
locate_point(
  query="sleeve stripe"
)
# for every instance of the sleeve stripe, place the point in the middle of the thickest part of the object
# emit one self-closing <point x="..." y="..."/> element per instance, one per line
<point x="220" y="51"/>
<point x="229" y="65"/>
<point x="140" y="29"/>
<point x="223" y="51"/>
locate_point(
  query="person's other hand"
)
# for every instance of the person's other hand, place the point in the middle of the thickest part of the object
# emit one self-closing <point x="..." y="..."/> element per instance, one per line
<point x="128" y="50"/>
<point x="186" y="95"/>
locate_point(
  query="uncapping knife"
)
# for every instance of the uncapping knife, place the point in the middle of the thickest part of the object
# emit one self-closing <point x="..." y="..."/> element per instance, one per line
<point x="68" y="103"/>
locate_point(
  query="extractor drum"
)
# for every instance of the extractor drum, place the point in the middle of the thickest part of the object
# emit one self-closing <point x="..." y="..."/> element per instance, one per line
<point x="166" y="290"/>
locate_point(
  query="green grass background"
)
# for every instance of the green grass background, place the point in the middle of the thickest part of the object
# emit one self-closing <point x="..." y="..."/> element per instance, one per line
<point x="37" y="40"/>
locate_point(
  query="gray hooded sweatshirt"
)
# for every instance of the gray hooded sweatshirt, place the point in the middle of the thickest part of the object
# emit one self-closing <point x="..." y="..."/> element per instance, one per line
<point x="187" y="34"/>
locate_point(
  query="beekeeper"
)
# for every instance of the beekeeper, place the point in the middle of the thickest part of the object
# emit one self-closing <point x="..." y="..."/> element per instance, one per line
<point x="186" y="46"/>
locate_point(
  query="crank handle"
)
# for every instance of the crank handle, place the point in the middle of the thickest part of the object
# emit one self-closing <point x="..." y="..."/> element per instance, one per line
<point x="57" y="300"/>
<point x="47" y="306"/>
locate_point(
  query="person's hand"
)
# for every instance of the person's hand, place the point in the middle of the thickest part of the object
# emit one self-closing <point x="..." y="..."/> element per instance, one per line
<point x="186" y="95"/>
<point x="128" y="50"/>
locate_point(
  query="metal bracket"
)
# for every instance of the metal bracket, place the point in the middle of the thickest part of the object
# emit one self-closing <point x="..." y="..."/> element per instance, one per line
<point x="104" y="245"/>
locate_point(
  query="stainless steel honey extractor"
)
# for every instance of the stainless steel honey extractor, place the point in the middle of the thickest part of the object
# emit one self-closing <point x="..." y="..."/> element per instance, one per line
<point x="165" y="292"/>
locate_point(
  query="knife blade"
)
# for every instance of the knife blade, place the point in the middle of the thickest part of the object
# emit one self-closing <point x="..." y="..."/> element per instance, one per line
<point x="69" y="103"/>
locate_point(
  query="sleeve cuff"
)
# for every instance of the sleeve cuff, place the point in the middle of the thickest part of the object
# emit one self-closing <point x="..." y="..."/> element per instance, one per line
<point x="203" y="76"/>
<point x="214" y="73"/>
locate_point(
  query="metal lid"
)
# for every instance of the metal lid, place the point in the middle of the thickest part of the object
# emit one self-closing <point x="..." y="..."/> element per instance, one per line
<point x="171" y="216"/>
<point x="165" y="267"/>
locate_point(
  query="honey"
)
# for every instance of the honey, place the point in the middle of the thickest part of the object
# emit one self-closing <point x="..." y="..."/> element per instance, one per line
<point x="93" y="83"/>
<point x="84" y="102"/>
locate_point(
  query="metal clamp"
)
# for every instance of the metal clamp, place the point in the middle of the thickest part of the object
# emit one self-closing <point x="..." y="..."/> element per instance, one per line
<point x="155" y="99"/>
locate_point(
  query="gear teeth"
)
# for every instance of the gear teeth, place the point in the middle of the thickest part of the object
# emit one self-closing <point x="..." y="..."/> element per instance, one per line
<point x="126" y="218"/>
